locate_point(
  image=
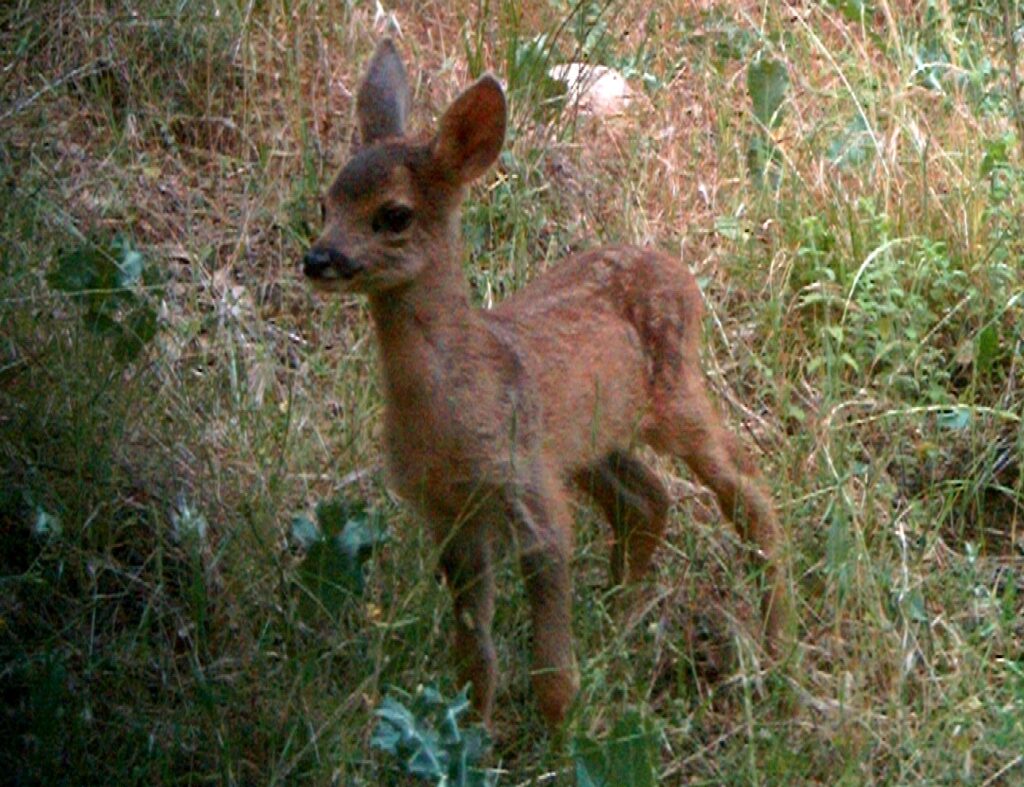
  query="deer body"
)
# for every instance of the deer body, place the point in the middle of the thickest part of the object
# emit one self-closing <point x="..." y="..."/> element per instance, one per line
<point x="492" y="416"/>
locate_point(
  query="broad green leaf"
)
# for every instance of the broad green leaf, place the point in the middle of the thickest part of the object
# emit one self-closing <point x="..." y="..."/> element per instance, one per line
<point x="400" y="733"/>
<point x="767" y="82"/>
<point x="104" y="274"/>
<point x="591" y="764"/>
<point x="915" y="606"/>
<point x="423" y="735"/>
<point x="332" y="571"/>
<point x="997" y="153"/>
<point x="129" y="269"/>
<point x="630" y="752"/>
<point x="358" y="539"/>
<point x="304" y="531"/>
<point x="626" y="759"/>
<point x="332" y="515"/>
<point x="76" y="270"/>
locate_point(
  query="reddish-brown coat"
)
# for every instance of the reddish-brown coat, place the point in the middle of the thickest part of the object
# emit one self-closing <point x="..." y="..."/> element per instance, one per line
<point x="493" y="416"/>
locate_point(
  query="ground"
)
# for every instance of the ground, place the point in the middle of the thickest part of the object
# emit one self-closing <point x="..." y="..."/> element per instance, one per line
<point x="845" y="178"/>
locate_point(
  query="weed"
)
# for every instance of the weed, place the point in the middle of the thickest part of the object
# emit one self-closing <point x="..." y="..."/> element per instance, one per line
<point x="160" y="427"/>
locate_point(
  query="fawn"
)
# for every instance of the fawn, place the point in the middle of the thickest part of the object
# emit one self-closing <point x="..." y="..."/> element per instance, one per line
<point x="492" y="415"/>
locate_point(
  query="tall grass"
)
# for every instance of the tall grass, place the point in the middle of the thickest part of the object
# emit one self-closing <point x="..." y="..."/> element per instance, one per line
<point x="861" y="261"/>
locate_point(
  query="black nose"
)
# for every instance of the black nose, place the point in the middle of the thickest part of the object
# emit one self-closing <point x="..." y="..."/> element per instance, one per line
<point x="326" y="263"/>
<point x="316" y="262"/>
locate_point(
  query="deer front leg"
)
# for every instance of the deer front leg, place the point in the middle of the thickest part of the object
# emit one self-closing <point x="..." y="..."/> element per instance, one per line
<point x="467" y="566"/>
<point x="543" y="532"/>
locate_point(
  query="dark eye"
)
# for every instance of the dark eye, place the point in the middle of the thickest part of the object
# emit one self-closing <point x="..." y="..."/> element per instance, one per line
<point x="323" y="211"/>
<point x="392" y="219"/>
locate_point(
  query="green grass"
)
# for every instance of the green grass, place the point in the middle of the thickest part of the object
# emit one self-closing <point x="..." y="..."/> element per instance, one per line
<point x="865" y="293"/>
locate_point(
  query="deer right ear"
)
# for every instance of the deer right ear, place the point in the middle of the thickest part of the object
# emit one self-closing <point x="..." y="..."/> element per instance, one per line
<point x="472" y="130"/>
<point x="383" y="99"/>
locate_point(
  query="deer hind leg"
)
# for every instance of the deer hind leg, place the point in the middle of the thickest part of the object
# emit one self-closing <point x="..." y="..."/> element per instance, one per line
<point x="542" y="529"/>
<point x="635" y="503"/>
<point x="690" y="428"/>
<point x="466" y="561"/>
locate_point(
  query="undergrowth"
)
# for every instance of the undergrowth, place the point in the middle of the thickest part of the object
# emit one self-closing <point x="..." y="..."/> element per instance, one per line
<point x="204" y="577"/>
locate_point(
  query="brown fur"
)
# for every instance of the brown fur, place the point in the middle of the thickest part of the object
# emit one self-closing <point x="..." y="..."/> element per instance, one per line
<point x="492" y="415"/>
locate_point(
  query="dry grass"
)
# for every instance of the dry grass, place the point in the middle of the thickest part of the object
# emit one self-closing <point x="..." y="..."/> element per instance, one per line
<point x="851" y="306"/>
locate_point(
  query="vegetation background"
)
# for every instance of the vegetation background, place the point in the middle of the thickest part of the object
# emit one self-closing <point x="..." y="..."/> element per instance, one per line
<point x="846" y="179"/>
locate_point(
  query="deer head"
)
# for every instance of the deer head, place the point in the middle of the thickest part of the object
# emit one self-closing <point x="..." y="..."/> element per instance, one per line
<point x="393" y="210"/>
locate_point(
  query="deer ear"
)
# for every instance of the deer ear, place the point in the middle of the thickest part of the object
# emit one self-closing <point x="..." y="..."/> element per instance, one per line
<point x="383" y="98"/>
<point x="472" y="130"/>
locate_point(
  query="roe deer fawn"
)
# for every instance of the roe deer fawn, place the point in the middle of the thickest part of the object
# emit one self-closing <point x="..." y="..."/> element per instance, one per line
<point x="491" y="415"/>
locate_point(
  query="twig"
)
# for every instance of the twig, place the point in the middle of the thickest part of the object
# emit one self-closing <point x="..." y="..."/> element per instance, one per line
<point x="1003" y="771"/>
<point x="82" y="71"/>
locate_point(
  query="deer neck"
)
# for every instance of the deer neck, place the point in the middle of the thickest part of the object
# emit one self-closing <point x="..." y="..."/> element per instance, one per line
<point x="421" y="326"/>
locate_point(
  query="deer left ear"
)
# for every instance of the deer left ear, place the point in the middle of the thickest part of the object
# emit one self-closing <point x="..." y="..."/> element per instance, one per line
<point x="383" y="99"/>
<point x="472" y="130"/>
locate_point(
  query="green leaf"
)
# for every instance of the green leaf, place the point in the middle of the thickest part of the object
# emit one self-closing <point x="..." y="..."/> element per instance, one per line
<point x="997" y="153"/>
<point x="626" y="759"/>
<point x="591" y="764"/>
<point x="304" y="531"/>
<point x="46" y="525"/>
<point x="400" y="733"/>
<point x="129" y="269"/>
<point x="76" y="270"/>
<point x="839" y="550"/>
<point x="955" y="419"/>
<point x="767" y="82"/>
<point x="422" y="733"/>
<point x="730" y="228"/>
<point x="915" y="606"/>
<point x="854" y="10"/>
<point x="332" y="571"/>
<point x="104" y="275"/>
<point x="763" y="160"/>
<point x="135" y="333"/>
<point x="332" y="515"/>
<point x="188" y="523"/>
<point x="853" y="146"/>
<point x="987" y="347"/>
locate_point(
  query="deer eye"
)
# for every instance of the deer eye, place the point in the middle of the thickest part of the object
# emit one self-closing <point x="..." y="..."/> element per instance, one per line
<point x="392" y="219"/>
<point x="323" y="211"/>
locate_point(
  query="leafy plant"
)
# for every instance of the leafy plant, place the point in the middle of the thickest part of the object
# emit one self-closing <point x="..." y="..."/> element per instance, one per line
<point x="854" y="145"/>
<point x="717" y="33"/>
<point x="108" y="279"/>
<point x="337" y="547"/>
<point x="854" y="10"/>
<point x="626" y="759"/>
<point x="422" y="733"/>
<point x="767" y="83"/>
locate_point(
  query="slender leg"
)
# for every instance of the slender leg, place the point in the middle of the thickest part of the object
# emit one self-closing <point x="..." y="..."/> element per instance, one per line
<point x="542" y="528"/>
<point x="467" y="565"/>
<point x="635" y="503"/>
<point x="694" y="433"/>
